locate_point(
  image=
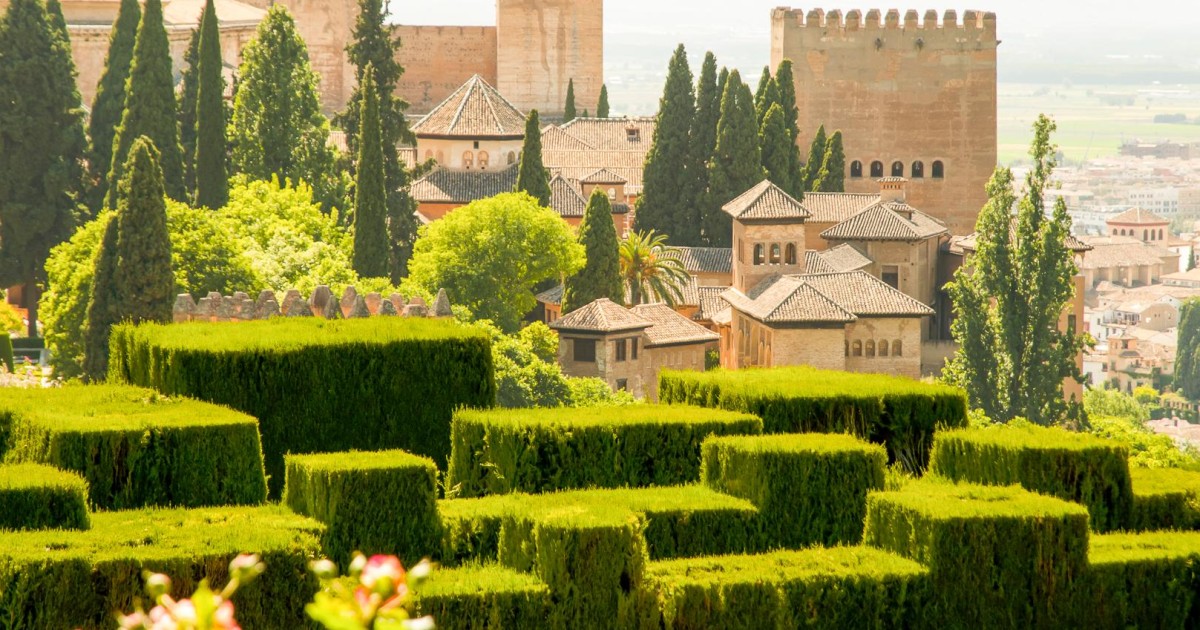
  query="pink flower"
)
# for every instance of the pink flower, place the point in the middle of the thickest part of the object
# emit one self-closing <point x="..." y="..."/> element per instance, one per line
<point x="223" y="619"/>
<point x="383" y="574"/>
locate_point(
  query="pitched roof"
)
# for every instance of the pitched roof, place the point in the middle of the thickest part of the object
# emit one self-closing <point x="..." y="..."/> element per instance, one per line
<point x="583" y="146"/>
<point x="765" y="201"/>
<point x="1122" y="251"/>
<point x="865" y="295"/>
<point x="452" y="186"/>
<point x="710" y="303"/>
<point x="553" y="295"/>
<point x="836" y="207"/>
<point x="706" y="259"/>
<point x="838" y="259"/>
<point x="1138" y="216"/>
<point x="824" y="298"/>
<point x="970" y="243"/>
<point x="601" y="316"/>
<point x="474" y="110"/>
<point x="603" y="176"/>
<point x="566" y="199"/>
<point x="670" y="328"/>
<point x="887" y="221"/>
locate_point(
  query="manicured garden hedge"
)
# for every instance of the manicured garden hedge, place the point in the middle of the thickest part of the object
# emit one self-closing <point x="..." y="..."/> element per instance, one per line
<point x="376" y="503"/>
<point x="1141" y="580"/>
<point x="542" y="450"/>
<point x="999" y="557"/>
<point x="476" y="597"/>
<point x="65" y="579"/>
<point x="897" y="412"/>
<point x="1165" y="498"/>
<point x="33" y="496"/>
<point x="1068" y="465"/>
<point x="135" y="447"/>
<point x="317" y="385"/>
<point x="809" y="488"/>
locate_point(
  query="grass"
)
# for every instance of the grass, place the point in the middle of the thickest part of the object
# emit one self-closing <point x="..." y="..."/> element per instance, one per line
<point x="360" y="460"/>
<point x="110" y="408"/>
<point x="293" y="334"/>
<point x="940" y="501"/>
<point x="782" y="566"/>
<point x="588" y="417"/>
<point x="791" y="443"/>
<point x="650" y="501"/>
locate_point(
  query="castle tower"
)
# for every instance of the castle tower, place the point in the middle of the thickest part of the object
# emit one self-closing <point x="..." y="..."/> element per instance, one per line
<point x="913" y="97"/>
<point x="542" y="45"/>
<point x="768" y="235"/>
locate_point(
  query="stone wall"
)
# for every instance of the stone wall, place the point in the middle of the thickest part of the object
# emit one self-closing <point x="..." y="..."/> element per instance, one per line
<point x="322" y="303"/>
<point x="866" y="350"/>
<point x="542" y="45"/>
<point x="438" y="59"/>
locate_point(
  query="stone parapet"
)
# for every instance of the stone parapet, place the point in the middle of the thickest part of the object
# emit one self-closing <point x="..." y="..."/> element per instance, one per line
<point x="215" y="307"/>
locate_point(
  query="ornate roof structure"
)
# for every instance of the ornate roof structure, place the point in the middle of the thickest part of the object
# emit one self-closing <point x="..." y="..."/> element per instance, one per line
<point x="886" y="221"/>
<point x="669" y="328"/>
<point x="1138" y="216"/>
<point x="765" y="201"/>
<point x="601" y="316"/>
<point x="475" y="110"/>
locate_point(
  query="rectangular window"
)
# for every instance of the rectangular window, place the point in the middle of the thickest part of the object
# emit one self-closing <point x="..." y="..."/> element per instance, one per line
<point x="891" y="276"/>
<point x="622" y="384"/>
<point x="621" y="349"/>
<point x="585" y="351"/>
<point x="634" y="342"/>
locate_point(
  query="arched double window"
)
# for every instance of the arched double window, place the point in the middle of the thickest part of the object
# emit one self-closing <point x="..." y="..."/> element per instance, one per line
<point x="468" y="160"/>
<point x="428" y="154"/>
<point x="484" y="158"/>
<point x="939" y="169"/>
<point x="876" y="169"/>
<point x="776" y="254"/>
<point x="759" y="254"/>
<point x="856" y="169"/>
<point x="789" y="255"/>
<point x="918" y="169"/>
<point x="897" y="169"/>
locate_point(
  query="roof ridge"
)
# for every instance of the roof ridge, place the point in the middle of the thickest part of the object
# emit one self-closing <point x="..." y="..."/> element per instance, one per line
<point x="462" y="104"/>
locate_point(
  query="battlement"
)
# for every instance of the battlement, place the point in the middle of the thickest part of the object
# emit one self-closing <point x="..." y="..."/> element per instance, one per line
<point x="323" y="303"/>
<point x="854" y="20"/>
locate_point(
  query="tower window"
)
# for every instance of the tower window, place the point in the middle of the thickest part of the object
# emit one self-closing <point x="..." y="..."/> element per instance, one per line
<point x="468" y="160"/>
<point x="512" y="157"/>
<point x="876" y="169"/>
<point x="759" y="254"/>
<point x="856" y="169"/>
<point x="918" y="169"/>
<point x="857" y="349"/>
<point x="897" y="169"/>
<point x="776" y="253"/>
<point x="870" y="347"/>
<point x="585" y="350"/>
<point x="484" y="158"/>
<point x="633" y="134"/>
<point x="891" y="276"/>
<point x="789" y="257"/>
<point x="939" y="169"/>
<point x="897" y="348"/>
<point x="883" y="348"/>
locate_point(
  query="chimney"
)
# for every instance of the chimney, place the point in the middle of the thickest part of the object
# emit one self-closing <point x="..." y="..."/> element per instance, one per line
<point x="892" y="189"/>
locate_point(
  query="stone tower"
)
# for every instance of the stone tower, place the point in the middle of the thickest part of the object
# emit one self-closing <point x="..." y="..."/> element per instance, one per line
<point x="914" y="98"/>
<point x="544" y="44"/>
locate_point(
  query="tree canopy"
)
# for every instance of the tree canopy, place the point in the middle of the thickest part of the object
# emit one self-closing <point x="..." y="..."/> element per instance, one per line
<point x="650" y="270"/>
<point x="832" y="176"/>
<point x="569" y="112"/>
<point x="532" y="176"/>
<point x="370" y="190"/>
<point x="602" y="105"/>
<point x="109" y="103"/>
<point x="736" y="164"/>
<point x="668" y="193"/>
<point x="787" y="101"/>
<point x="776" y="150"/>
<point x="1187" y="354"/>
<point x="601" y="275"/>
<point x="212" y="176"/>
<point x="816" y="156"/>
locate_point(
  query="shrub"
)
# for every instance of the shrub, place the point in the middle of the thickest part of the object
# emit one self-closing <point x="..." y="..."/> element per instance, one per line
<point x="135" y="447"/>
<point x="484" y="596"/>
<point x="1165" y="498"/>
<point x="33" y="496"/>
<point x="897" y="412"/>
<point x="1146" y="580"/>
<point x="1147" y="449"/>
<point x="318" y="385"/>
<point x="376" y="503"/>
<point x="69" y="579"/>
<point x="998" y="556"/>
<point x="843" y="587"/>
<point x="6" y="351"/>
<point x="808" y="488"/>
<point x="1072" y="466"/>
<point x="499" y="451"/>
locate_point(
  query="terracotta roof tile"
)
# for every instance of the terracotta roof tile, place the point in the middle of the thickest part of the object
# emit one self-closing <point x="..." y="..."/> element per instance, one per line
<point x="1138" y="216"/>
<point x="553" y="295"/>
<point x="475" y="110"/>
<point x="710" y="302"/>
<point x="452" y="186"/>
<point x="845" y="258"/>
<point x="580" y="148"/>
<point x="566" y="199"/>
<point x="613" y="134"/>
<point x="706" y="259"/>
<point x="670" y="328"/>
<point x="969" y="243"/>
<point x="603" y="315"/>
<point x="865" y="295"/>
<point x="1122" y="251"/>
<point x="604" y="176"/>
<point x="787" y="300"/>
<point x="836" y="207"/>
<point x="886" y="221"/>
<point x="765" y="201"/>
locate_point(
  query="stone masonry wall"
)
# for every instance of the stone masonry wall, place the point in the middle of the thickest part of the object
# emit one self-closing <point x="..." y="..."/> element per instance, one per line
<point x="438" y="59"/>
<point x="543" y="44"/>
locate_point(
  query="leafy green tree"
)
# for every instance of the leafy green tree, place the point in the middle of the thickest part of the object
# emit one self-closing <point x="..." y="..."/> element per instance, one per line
<point x="601" y="276"/>
<point x="650" y="270"/>
<point x="212" y="176"/>
<point x="816" y="155"/>
<point x="787" y="100"/>
<point x="602" y="106"/>
<point x="189" y="87"/>
<point x="569" y="107"/>
<point x="1009" y="297"/>
<point x="832" y="176"/>
<point x="1187" y="354"/>
<point x="42" y="144"/>
<point x="370" y="190"/>
<point x="776" y="150"/>
<point x="109" y="103"/>
<point x="532" y="177"/>
<point x="143" y="281"/>
<point x="102" y="307"/>
<point x="490" y="254"/>
<point x="150" y="107"/>
<point x="736" y="164"/>
<point x="668" y="194"/>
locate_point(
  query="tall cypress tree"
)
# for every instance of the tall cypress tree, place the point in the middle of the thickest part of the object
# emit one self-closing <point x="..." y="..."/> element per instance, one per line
<point x="667" y="193"/>
<point x="601" y="276"/>
<point x="736" y="165"/>
<point x="532" y="177"/>
<point x="144" y="283"/>
<point x="42" y="144"/>
<point x="766" y="96"/>
<point x="1187" y="356"/>
<point x="150" y="106"/>
<point x="816" y="155"/>
<point x="787" y="100"/>
<point x="370" y="190"/>
<point x="602" y="106"/>
<point x="101" y="309"/>
<point x="832" y="176"/>
<point x="701" y="144"/>
<point x="110" y="100"/>
<point x="569" y="108"/>
<point x="212" y="177"/>
<point x="776" y="152"/>
<point x="190" y="80"/>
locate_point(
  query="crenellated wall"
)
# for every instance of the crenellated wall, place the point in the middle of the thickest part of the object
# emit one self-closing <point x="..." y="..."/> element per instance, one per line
<point x="438" y="59"/>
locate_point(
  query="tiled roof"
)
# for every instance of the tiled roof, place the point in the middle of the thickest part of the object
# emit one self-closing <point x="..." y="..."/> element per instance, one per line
<point x="969" y="243"/>
<point x="787" y="299"/>
<point x="706" y="259"/>
<point x="566" y="199"/>
<point x="603" y="176"/>
<point x="836" y="207"/>
<point x="475" y="110"/>
<point x="865" y="295"/>
<point x="1122" y="251"/>
<point x="710" y="302"/>
<point x="553" y="295"/>
<point x="838" y="259"/>
<point x="886" y="221"/>
<point x="603" y="315"/>
<point x="1138" y="216"/>
<point x="814" y="263"/>
<point x="453" y="186"/>
<point x="670" y="328"/>
<point x="765" y="201"/>
<point x="612" y="134"/>
<point x="580" y="148"/>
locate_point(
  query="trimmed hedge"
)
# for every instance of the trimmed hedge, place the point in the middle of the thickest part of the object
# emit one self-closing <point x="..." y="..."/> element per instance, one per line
<point x="319" y="386"/>
<point x="543" y="450"/>
<point x="1068" y="465"/>
<point x="6" y="352"/>
<point x="999" y="557"/>
<point x="897" y="412"/>
<point x="1165" y="498"/>
<point x="843" y="587"/>
<point x="67" y="579"/>
<point x="377" y="503"/>
<point x="137" y="448"/>
<point x="33" y="496"/>
<point x="1142" y="580"/>
<point x="809" y="489"/>
<point x="484" y="596"/>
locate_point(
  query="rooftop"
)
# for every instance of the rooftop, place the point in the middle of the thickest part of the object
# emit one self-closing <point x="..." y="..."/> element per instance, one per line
<point x="970" y="243"/>
<point x="452" y="186"/>
<point x="670" y="328"/>
<point x="1138" y="216"/>
<point x="581" y="148"/>
<point x="475" y="110"/>
<point x="824" y="297"/>
<point x="837" y="259"/>
<point x="765" y="201"/>
<point x="1122" y="251"/>
<point x="706" y="259"/>
<point x="836" y="207"/>
<point x="887" y="221"/>
<point x="601" y="316"/>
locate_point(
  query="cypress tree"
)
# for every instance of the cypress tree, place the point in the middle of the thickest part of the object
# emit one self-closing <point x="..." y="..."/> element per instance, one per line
<point x="190" y="80"/>
<point x="532" y="177"/>
<point x="212" y="178"/>
<point x="144" y="283"/>
<point x="110" y="100"/>
<point x="101" y="309"/>
<point x="776" y="154"/>
<point x="370" y="190"/>
<point x="1187" y="368"/>
<point x="42" y="144"/>
<point x="569" y="107"/>
<point x="602" y="106"/>
<point x="816" y="155"/>
<point x="832" y="177"/>
<point x="722" y="79"/>
<point x="150" y="106"/>
<point x="787" y="100"/>
<point x="766" y="96"/>
<point x="601" y="276"/>
<point x="736" y="165"/>
<point x="667" y="191"/>
<point x="701" y="144"/>
<point x="585" y="114"/>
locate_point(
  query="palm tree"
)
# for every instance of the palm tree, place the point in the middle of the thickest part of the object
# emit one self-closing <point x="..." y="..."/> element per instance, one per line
<point x="652" y="270"/>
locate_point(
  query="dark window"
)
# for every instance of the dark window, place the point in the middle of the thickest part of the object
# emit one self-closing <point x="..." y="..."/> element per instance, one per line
<point x="759" y="255"/>
<point x="856" y="169"/>
<point x="939" y="170"/>
<point x="776" y="253"/>
<point x="476" y="144"/>
<point x="883" y="348"/>
<point x="622" y="384"/>
<point x="857" y="349"/>
<point x="870" y="347"/>
<point x="897" y="169"/>
<point x="585" y="350"/>
<point x="897" y="349"/>
<point x="918" y="169"/>
<point x="789" y="257"/>
<point x="876" y="169"/>
<point x="634" y="342"/>
<point x="621" y="349"/>
<point x="891" y="276"/>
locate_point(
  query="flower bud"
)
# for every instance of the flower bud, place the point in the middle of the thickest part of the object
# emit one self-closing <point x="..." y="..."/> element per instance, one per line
<point x="323" y="569"/>
<point x="357" y="565"/>
<point x="157" y="585"/>
<point x="246" y="567"/>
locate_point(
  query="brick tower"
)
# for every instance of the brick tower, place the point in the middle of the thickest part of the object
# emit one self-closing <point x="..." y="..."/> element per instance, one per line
<point x="544" y="44"/>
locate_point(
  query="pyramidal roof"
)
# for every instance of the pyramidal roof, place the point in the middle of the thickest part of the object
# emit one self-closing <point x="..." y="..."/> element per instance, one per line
<point x="766" y="201"/>
<point x="475" y="110"/>
<point x="1138" y="216"/>
<point x="603" y="316"/>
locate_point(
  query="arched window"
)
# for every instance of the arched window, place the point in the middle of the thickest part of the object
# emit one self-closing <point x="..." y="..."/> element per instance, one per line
<point x="918" y="169"/>
<point x="484" y="158"/>
<point x="876" y="169"/>
<point x="897" y="169"/>
<point x="870" y="347"/>
<point x="776" y="253"/>
<point x="759" y="254"/>
<point x="512" y="157"/>
<point x="441" y="157"/>
<point x="789" y="254"/>
<point x="857" y="349"/>
<point x="468" y="160"/>
<point x="612" y="193"/>
<point x="1160" y="235"/>
<point x="939" y="169"/>
<point x="883" y="348"/>
<point x="428" y="154"/>
<point x="1144" y="237"/>
<point x="856" y="169"/>
<point x="897" y="348"/>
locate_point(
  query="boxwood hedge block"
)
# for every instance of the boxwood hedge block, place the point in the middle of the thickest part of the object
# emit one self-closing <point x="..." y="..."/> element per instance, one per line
<point x="373" y="502"/>
<point x="898" y="412"/>
<point x="1064" y="464"/>
<point x="1165" y="498"/>
<point x="1141" y="580"/>
<point x="33" y="496"/>
<point x="542" y="450"/>
<point x="809" y="488"/>
<point x="137" y="448"/>
<point x="842" y="587"/>
<point x="999" y="556"/>
<point x="319" y="386"/>
<point x="78" y="579"/>
<point x="476" y="597"/>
